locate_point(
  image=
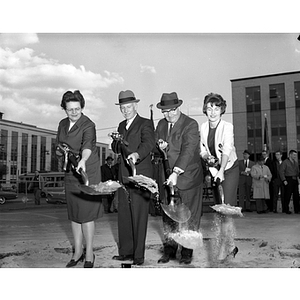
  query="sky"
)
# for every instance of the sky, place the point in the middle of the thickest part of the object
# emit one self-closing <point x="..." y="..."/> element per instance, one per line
<point x="37" y="68"/>
<point x="38" y="65"/>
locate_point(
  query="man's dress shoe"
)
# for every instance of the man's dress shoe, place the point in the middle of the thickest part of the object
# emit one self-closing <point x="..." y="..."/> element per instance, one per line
<point x="123" y="257"/>
<point x="166" y="258"/>
<point x="138" y="261"/>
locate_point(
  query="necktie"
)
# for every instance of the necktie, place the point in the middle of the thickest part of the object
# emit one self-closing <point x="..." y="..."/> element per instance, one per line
<point x="246" y="163"/>
<point x="170" y="129"/>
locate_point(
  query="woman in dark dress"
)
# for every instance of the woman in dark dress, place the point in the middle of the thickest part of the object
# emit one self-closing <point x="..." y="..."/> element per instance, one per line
<point x="79" y="133"/>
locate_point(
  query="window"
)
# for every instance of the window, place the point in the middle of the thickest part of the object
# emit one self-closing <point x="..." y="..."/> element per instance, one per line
<point x="34" y="153"/>
<point x="254" y="126"/>
<point x="43" y="154"/>
<point x="24" y="153"/>
<point x="297" y="111"/>
<point x="278" y="117"/>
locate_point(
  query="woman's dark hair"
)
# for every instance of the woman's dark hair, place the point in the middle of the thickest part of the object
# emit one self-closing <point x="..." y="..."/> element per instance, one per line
<point x="215" y="99"/>
<point x="70" y="96"/>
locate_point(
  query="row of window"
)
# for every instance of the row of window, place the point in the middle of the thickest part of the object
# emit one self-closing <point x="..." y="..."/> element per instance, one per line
<point x="277" y="118"/>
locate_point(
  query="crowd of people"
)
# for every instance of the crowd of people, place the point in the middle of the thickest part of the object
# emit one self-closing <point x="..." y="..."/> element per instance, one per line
<point x="269" y="180"/>
<point x="186" y="157"/>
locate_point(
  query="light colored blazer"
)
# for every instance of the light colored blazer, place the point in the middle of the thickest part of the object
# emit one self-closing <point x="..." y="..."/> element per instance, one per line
<point x="224" y="142"/>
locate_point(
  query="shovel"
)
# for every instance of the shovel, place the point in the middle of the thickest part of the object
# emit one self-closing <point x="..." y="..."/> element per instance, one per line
<point x="226" y="209"/>
<point x="177" y="212"/>
<point x="85" y="188"/>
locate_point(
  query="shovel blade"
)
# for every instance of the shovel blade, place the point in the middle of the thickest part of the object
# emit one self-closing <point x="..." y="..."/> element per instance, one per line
<point x="227" y="209"/>
<point x="90" y="191"/>
<point x="179" y="213"/>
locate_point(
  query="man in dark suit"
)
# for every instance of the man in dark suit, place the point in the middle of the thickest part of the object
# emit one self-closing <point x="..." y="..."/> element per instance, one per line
<point x="108" y="173"/>
<point x="278" y="187"/>
<point x="178" y="135"/>
<point x="138" y="142"/>
<point x="270" y="164"/>
<point x="245" y="181"/>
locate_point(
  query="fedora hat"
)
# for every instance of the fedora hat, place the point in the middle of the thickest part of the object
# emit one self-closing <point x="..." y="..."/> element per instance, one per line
<point x="169" y="101"/>
<point x="126" y="97"/>
<point x="246" y="152"/>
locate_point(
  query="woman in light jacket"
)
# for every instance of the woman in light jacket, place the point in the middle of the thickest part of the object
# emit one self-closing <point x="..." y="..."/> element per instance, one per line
<point x="217" y="144"/>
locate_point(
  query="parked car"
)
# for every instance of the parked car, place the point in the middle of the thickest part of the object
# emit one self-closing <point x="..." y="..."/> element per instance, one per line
<point x="54" y="192"/>
<point x="8" y="187"/>
<point x="7" y="195"/>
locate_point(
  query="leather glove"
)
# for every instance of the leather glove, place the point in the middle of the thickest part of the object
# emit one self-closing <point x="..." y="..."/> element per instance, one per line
<point x="172" y="180"/>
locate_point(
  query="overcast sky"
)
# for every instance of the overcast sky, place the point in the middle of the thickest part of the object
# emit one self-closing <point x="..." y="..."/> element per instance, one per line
<point x="37" y="68"/>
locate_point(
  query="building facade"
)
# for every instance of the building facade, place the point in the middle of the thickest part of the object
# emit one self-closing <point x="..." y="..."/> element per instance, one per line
<point x="270" y="102"/>
<point x="25" y="148"/>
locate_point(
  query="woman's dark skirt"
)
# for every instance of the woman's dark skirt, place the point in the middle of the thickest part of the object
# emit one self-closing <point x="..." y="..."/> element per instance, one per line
<point x="82" y="208"/>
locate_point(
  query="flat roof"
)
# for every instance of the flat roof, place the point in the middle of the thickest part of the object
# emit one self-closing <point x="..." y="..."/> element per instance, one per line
<point x="22" y="125"/>
<point x="264" y="76"/>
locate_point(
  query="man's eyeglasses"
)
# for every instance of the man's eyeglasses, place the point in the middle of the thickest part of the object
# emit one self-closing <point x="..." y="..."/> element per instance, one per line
<point x="172" y="110"/>
<point x="77" y="109"/>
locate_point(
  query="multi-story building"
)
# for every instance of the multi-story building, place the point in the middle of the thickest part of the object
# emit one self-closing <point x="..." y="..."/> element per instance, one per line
<point x="272" y="100"/>
<point x="25" y="148"/>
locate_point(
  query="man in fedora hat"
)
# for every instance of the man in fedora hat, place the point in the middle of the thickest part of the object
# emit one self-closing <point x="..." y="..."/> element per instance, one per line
<point x="108" y="173"/>
<point x="178" y="135"/>
<point x="138" y="132"/>
<point x="245" y="181"/>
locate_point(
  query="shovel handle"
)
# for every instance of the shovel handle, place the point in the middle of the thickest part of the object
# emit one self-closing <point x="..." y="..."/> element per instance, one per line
<point x="132" y="165"/>
<point x="172" y="194"/>
<point x="83" y="174"/>
<point x="172" y="190"/>
<point x="220" y="189"/>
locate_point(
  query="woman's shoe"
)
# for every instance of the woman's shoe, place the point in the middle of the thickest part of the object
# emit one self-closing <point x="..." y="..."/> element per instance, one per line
<point x="73" y="262"/>
<point x="233" y="252"/>
<point x="89" y="264"/>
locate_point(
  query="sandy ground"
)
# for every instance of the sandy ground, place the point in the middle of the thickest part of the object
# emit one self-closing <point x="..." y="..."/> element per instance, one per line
<point x="36" y="244"/>
<point x="42" y="239"/>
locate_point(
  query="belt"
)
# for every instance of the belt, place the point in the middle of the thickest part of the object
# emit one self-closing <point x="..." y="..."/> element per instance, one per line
<point x="292" y="177"/>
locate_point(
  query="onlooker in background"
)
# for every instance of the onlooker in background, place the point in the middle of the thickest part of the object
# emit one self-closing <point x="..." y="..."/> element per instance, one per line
<point x="278" y="187"/>
<point x="245" y="181"/>
<point x="289" y="174"/>
<point x="138" y="132"/>
<point x="270" y="164"/>
<point x="108" y="173"/>
<point x="178" y="135"/>
<point x="35" y="185"/>
<point x="261" y="177"/>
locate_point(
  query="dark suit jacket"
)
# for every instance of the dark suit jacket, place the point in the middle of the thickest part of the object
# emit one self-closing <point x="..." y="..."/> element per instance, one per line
<point x="108" y="173"/>
<point x="140" y="138"/>
<point x="183" y="150"/>
<point x="245" y="178"/>
<point x="270" y="164"/>
<point x="82" y="136"/>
